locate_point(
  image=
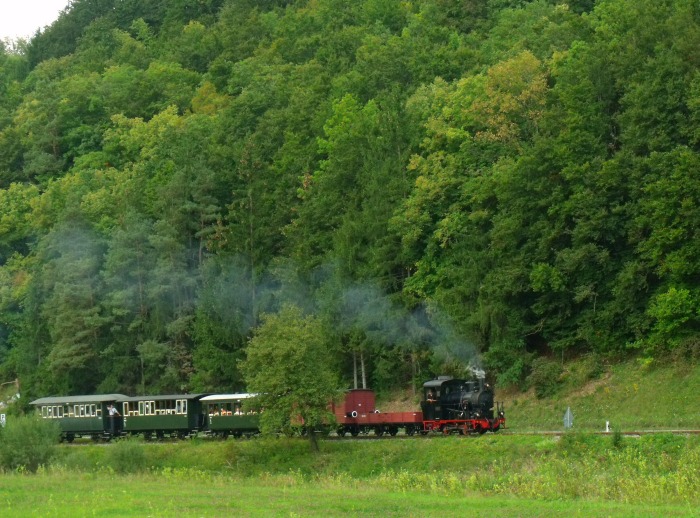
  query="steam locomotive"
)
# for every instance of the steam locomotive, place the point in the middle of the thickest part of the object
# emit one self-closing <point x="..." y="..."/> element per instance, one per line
<point x="448" y="406"/>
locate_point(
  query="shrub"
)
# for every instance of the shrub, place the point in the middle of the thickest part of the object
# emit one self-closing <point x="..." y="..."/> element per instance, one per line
<point x="127" y="456"/>
<point x="27" y="442"/>
<point x="545" y="377"/>
<point x="510" y="361"/>
<point x="580" y="444"/>
<point x="617" y="439"/>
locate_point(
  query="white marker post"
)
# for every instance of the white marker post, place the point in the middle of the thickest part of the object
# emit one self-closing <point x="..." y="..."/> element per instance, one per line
<point x="568" y="419"/>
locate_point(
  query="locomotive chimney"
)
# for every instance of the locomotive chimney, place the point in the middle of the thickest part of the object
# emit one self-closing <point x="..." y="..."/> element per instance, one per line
<point x="481" y="384"/>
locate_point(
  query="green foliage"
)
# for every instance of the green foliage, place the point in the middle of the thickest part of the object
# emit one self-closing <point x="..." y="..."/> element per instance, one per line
<point x="616" y="438"/>
<point x="127" y="456"/>
<point x="510" y="361"/>
<point x="545" y="377"/>
<point x="290" y="365"/>
<point x="528" y="168"/>
<point x="28" y="442"/>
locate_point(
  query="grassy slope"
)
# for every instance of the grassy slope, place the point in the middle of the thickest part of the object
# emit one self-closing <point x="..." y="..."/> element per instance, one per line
<point x="630" y="396"/>
<point x="660" y="470"/>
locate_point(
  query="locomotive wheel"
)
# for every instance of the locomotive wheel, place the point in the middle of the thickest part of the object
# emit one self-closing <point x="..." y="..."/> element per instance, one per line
<point x="341" y="432"/>
<point x="354" y="432"/>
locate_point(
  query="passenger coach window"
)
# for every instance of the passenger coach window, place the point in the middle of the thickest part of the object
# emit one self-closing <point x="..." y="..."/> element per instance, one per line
<point x="146" y="407"/>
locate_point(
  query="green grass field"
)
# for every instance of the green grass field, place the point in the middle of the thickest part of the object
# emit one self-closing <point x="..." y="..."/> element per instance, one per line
<point x="190" y="494"/>
<point x="494" y="475"/>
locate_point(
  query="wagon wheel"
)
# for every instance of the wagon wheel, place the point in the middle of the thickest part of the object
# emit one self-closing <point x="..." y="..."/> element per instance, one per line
<point x="355" y="432"/>
<point x="341" y="431"/>
<point x="393" y="430"/>
<point x="410" y="431"/>
<point x="379" y="431"/>
<point x="70" y="437"/>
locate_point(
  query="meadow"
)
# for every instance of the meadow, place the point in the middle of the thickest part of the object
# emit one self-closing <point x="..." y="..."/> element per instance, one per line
<point x="578" y="474"/>
<point x="193" y="493"/>
<point x="497" y="475"/>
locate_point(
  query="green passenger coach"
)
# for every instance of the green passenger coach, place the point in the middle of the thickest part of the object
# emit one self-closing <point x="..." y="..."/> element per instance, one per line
<point x="177" y="415"/>
<point x="82" y="416"/>
<point x="224" y="414"/>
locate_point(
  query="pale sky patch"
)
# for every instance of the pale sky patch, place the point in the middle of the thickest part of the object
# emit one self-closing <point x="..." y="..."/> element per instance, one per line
<point x="22" y="18"/>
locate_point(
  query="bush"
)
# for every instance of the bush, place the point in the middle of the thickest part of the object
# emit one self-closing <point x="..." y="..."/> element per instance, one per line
<point x="27" y="442"/>
<point x="509" y="361"/>
<point x="617" y="439"/>
<point x="127" y="456"/>
<point x="545" y="377"/>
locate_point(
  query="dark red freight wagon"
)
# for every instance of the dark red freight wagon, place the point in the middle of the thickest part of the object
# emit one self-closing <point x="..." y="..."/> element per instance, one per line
<point x="358" y="414"/>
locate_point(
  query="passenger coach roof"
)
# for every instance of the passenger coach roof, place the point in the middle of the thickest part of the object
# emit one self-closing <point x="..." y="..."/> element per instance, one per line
<point x="164" y="398"/>
<point x="227" y="397"/>
<point x="62" y="400"/>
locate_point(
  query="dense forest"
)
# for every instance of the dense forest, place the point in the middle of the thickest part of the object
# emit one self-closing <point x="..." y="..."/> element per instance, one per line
<point x="440" y="184"/>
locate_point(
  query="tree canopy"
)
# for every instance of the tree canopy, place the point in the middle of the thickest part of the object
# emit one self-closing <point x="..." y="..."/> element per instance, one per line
<point x="290" y="366"/>
<point x="444" y="184"/>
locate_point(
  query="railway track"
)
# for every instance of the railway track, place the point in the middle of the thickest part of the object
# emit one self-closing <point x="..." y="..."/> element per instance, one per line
<point x="403" y="436"/>
<point x="630" y="433"/>
<point x="551" y="433"/>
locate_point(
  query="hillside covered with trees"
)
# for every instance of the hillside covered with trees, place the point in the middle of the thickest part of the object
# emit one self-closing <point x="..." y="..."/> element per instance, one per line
<point x="438" y="183"/>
